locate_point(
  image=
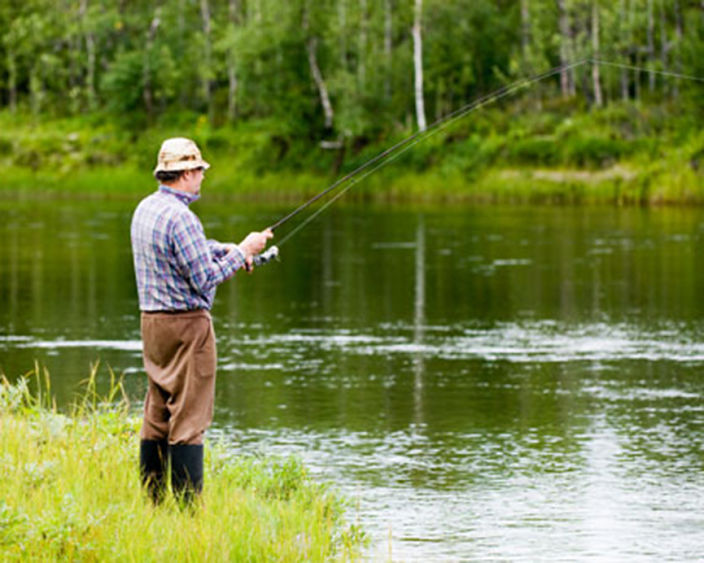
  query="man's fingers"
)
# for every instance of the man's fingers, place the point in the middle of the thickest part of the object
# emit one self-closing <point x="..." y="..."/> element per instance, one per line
<point x="255" y="242"/>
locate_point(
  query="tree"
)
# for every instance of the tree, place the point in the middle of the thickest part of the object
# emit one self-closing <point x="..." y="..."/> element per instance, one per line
<point x="311" y="48"/>
<point x="596" y="77"/>
<point x="566" y="55"/>
<point x="418" y="65"/>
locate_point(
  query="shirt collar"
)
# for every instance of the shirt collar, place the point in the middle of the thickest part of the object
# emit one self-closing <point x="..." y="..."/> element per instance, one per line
<point x="185" y="197"/>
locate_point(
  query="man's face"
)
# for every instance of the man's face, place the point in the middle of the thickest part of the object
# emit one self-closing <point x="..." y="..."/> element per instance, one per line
<point x="193" y="179"/>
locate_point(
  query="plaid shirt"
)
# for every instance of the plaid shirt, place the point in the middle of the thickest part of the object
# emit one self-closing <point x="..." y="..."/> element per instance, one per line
<point x="177" y="269"/>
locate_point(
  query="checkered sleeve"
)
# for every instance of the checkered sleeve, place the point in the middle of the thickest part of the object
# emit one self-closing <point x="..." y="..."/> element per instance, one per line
<point x="197" y="263"/>
<point x="217" y="249"/>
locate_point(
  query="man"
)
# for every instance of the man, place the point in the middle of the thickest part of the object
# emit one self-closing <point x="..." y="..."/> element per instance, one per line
<point x="177" y="272"/>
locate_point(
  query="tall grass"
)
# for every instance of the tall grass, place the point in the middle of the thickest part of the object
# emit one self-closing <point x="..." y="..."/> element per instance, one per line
<point x="553" y="153"/>
<point x="70" y="491"/>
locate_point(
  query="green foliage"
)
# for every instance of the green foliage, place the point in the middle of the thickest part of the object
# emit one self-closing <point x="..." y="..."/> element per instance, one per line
<point x="535" y="150"/>
<point x="245" y="61"/>
<point x="625" y="152"/>
<point x="90" y="89"/>
<point x="122" y="84"/>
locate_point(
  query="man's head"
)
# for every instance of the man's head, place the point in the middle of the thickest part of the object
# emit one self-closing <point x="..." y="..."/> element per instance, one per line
<point x="180" y="165"/>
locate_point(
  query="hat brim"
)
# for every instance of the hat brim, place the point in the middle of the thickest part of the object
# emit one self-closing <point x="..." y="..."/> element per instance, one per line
<point x="181" y="165"/>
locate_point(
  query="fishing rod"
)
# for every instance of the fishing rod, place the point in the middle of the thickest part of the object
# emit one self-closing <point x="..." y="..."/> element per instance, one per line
<point x="399" y="148"/>
<point x="393" y="152"/>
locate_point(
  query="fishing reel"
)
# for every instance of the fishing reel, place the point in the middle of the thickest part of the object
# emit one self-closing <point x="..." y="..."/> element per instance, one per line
<point x="271" y="253"/>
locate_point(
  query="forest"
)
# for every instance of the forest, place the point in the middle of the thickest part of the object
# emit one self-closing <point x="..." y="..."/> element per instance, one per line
<point x="320" y="85"/>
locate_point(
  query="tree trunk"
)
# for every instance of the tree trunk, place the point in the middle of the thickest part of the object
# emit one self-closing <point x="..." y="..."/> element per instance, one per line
<point x="525" y="31"/>
<point x="207" y="56"/>
<point x="90" y="77"/>
<point x="363" y="33"/>
<point x="596" y="78"/>
<point x="566" y="77"/>
<point x="36" y="88"/>
<point x="342" y="21"/>
<point x="624" y="72"/>
<point x="89" y="40"/>
<point x="418" y="65"/>
<point x="651" y="44"/>
<point x="11" y="79"/>
<point x="679" y="33"/>
<point x="388" y="47"/>
<point x="147" y="93"/>
<point x="312" y="47"/>
<point x="664" y="45"/>
<point x="180" y="48"/>
<point x="637" y="55"/>
<point x="231" y="67"/>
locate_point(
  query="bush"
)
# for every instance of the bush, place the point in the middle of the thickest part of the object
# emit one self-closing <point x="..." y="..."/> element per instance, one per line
<point x="543" y="151"/>
<point x="593" y="152"/>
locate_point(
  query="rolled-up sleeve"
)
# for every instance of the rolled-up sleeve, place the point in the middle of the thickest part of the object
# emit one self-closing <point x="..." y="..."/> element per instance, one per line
<point x="203" y="263"/>
<point x="218" y="249"/>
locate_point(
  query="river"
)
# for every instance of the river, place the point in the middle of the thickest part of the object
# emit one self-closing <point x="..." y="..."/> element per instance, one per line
<point x="483" y="382"/>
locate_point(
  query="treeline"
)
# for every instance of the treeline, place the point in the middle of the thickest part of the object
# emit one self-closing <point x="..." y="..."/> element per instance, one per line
<point x="330" y="70"/>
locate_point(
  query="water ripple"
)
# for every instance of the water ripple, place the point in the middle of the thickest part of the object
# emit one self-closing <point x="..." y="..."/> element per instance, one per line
<point x="538" y="342"/>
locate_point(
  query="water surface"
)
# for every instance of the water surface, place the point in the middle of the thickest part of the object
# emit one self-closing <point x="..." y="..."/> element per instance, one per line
<point x="482" y="382"/>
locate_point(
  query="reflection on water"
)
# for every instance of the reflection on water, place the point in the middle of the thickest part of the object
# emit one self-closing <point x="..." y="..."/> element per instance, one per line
<point x="484" y="383"/>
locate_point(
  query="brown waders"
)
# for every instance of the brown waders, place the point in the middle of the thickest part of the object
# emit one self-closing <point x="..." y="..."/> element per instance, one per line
<point x="180" y="359"/>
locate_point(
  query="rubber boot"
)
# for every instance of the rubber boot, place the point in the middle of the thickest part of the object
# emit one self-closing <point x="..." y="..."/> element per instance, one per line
<point x="152" y="467"/>
<point x="186" y="471"/>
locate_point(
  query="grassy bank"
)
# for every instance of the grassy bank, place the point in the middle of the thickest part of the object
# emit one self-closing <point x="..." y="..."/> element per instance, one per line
<point x="558" y="152"/>
<point x="70" y="491"/>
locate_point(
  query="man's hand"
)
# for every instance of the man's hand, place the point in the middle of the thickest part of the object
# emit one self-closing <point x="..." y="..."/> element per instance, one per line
<point x="253" y="244"/>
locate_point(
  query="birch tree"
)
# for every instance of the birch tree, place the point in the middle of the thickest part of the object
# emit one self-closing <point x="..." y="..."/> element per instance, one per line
<point x="147" y="91"/>
<point x="623" y="31"/>
<point x="89" y="39"/>
<point x="311" y="48"/>
<point x="388" y="47"/>
<point x="679" y="35"/>
<point x="342" y="23"/>
<point x="418" y="65"/>
<point x="352" y="66"/>
<point x="566" y="75"/>
<point x="363" y="38"/>
<point x="596" y="78"/>
<point x="525" y="30"/>
<point x="207" y="55"/>
<point x="233" y="12"/>
<point x="651" y="44"/>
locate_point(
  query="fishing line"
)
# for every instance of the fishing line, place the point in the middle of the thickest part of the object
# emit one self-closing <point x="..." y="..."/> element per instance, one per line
<point x="648" y="70"/>
<point x="406" y="144"/>
<point x="436" y="127"/>
<point x="395" y="151"/>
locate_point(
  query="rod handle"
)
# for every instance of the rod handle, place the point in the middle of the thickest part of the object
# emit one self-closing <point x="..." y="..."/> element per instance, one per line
<point x="267" y="256"/>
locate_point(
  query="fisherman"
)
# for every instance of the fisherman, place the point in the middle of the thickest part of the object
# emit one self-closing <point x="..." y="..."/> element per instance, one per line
<point x="177" y="272"/>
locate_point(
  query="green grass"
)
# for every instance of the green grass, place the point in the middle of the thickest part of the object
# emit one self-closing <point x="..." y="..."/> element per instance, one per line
<point x="70" y="491"/>
<point x="626" y="153"/>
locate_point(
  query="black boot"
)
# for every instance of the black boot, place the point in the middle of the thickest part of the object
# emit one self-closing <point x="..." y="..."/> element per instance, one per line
<point x="186" y="471"/>
<point x="152" y="467"/>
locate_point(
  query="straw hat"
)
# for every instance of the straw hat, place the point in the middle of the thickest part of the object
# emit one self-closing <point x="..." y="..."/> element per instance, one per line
<point x="179" y="154"/>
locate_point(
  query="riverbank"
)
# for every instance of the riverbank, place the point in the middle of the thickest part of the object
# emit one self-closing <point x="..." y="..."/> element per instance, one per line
<point x="557" y="153"/>
<point x="70" y="491"/>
